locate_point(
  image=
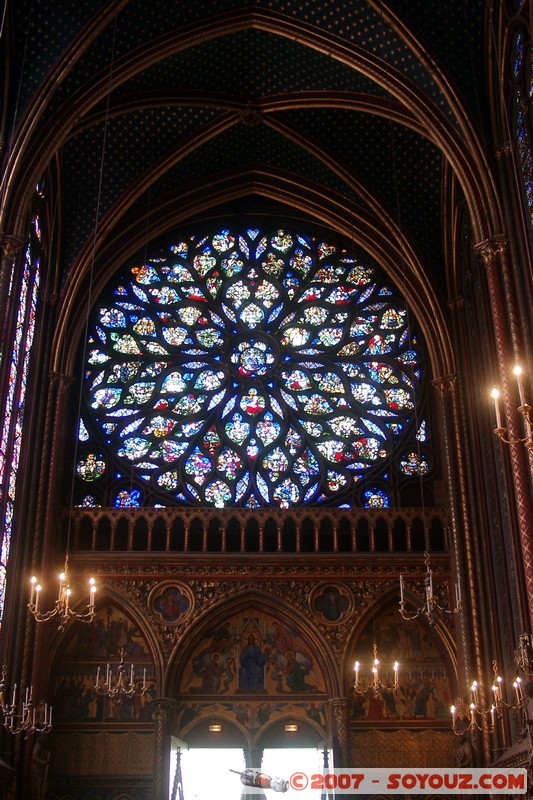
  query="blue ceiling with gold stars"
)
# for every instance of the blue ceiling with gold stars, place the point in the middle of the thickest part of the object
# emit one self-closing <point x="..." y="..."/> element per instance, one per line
<point x="135" y="102"/>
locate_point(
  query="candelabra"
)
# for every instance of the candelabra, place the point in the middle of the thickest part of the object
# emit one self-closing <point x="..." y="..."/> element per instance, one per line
<point x="118" y="687"/>
<point x="524" y="653"/>
<point x="27" y="718"/>
<point x="471" y="716"/>
<point x="61" y="609"/>
<point x="375" y="685"/>
<point x="429" y="606"/>
<point x="524" y="409"/>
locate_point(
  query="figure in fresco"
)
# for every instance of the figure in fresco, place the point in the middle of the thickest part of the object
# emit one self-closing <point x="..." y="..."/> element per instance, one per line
<point x="252" y="665"/>
<point x="229" y="674"/>
<point x="221" y="641"/>
<point x="291" y="661"/>
<point x="316" y="714"/>
<point x="295" y="674"/>
<point x="424" y="701"/>
<point x="331" y="603"/>
<point x="171" y="604"/>
<point x="211" y="674"/>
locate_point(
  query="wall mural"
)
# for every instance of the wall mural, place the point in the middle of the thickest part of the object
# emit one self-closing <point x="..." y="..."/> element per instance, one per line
<point x="251" y="715"/>
<point x="425" y="689"/>
<point x="108" y="638"/>
<point x="254" y="655"/>
<point x="252" y="669"/>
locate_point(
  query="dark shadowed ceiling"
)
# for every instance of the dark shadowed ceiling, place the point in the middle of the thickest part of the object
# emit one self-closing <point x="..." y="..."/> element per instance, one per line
<point x="141" y="106"/>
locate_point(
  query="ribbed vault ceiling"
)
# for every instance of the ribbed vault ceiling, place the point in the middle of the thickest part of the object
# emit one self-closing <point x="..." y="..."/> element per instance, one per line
<point x="143" y="104"/>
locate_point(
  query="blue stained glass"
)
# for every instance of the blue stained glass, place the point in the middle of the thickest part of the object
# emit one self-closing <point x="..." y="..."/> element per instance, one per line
<point x="245" y="370"/>
<point x="128" y="499"/>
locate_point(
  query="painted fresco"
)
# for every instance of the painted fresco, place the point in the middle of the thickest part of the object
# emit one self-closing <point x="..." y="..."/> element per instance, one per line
<point x="424" y="691"/>
<point x="331" y="602"/>
<point x="78" y="695"/>
<point x="250" y="715"/>
<point x="252" y="655"/>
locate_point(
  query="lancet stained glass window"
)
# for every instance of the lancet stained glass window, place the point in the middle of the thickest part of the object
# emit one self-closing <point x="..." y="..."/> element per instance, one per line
<point x="14" y="403"/>
<point x="522" y="80"/>
<point x="250" y="368"/>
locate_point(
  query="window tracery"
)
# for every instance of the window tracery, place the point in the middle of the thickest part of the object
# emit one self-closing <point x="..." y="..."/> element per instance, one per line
<point x="251" y="368"/>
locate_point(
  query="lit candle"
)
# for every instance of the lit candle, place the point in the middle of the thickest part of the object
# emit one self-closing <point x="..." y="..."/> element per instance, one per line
<point x="497" y="689"/>
<point x="401" y="587"/>
<point x="131" y="675"/>
<point x="61" y="579"/>
<point x="492" y="716"/>
<point x="144" y="678"/>
<point x="92" y="590"/>
<point x="453" y="712"/>
<point x="37" y="595"/>
<point x="496" y="396"/>
<point x="33" y="581"/>
<point x="396" y="673"/>
<point x="518" y="690"/>
<point x="518" y="372"/>
<point x="67" y="596"/>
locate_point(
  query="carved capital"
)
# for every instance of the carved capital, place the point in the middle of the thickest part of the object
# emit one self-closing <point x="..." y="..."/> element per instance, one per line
<point x="444" y="384"/>
<point x="492" y="249"/>
<point x="162" y="708"/>
<point x="10" y="247"/>
<point x="340" y="706"/>
<point x="59" y="381"/>
<point x="456" y="303"/>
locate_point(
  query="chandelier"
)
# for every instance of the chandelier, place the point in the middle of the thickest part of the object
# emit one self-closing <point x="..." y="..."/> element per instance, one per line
<point x="61" y="608"/>
<point x="524" y="409"/>
<point x="25" y="718"/>
<point x="119" y="686"/>
<point x="429" y="606"/>
<point x="470" y="716"/>
<point x="375" y="684"/>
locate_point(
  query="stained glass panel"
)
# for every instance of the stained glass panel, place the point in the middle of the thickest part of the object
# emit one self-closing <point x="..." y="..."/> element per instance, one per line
<point x="264" y="367"/>
<point x="13" y="410"/>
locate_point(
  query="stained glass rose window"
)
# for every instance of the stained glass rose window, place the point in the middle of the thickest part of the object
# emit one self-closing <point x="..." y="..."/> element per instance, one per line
<point x="252" y="368"/>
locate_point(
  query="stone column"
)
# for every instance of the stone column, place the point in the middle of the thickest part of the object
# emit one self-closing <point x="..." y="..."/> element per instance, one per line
<point x="494" y="254"/>
<point x="161" y="716"/>
<point x="466" y="574"/>
<point x="253" y="757"/>
<point x="341" y="735"/>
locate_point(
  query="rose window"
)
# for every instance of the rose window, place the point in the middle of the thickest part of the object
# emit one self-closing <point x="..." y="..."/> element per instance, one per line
<point x="251" y="368"/>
